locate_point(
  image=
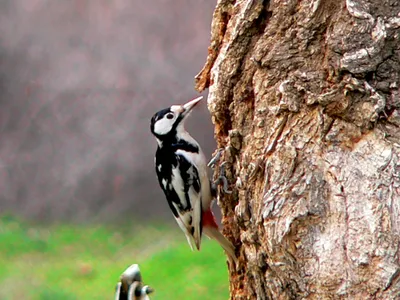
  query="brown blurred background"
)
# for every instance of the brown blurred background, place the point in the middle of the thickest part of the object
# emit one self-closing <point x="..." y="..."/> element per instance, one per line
<point x="79" y="82"/>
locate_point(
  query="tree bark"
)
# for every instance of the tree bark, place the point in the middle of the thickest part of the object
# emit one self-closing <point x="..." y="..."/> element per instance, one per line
<point x="304" y="96"/>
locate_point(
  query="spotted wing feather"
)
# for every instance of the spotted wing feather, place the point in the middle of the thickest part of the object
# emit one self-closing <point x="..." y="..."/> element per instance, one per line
<point x="182" y="187"/>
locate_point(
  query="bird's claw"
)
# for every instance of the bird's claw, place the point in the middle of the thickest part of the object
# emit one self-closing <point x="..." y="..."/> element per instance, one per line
<point x="215" y="158"/>
<point x="222" y="179"/>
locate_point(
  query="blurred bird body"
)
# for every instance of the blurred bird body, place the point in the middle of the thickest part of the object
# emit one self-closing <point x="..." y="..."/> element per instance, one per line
<point x="131" y="286"/>
<point x="181" y="169"/>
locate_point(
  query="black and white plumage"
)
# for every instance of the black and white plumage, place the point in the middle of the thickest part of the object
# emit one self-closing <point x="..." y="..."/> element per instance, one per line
<point x="181" y="169"/>
<point x="131" y="286"/>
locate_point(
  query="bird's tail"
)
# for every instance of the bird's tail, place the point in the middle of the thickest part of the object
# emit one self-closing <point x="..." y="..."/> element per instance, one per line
<point x="210" y="229"/>
<point x="214" y="233"/>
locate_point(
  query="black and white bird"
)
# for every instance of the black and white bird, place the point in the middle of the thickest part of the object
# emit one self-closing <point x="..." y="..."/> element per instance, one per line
<point x="181" y="169"/>
<point x="131" y="285"/>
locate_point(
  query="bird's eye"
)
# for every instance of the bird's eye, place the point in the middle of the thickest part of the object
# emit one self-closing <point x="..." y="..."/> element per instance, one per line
<point x="170" y="116"/>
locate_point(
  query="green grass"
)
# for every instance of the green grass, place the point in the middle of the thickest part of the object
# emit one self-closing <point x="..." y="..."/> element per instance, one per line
<point x="65" y="262"/>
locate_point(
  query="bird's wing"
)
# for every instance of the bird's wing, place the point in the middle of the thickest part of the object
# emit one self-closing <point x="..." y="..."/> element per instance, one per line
<point x="186" y="186"/>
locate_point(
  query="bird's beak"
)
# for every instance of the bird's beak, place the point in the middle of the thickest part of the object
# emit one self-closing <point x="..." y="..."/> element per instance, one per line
<point x="146" y="290"/>
<point x="186" y="108"/>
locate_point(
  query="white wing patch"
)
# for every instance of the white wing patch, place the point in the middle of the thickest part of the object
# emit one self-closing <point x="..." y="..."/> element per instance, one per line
<point x="178" y="185"/>
<point x="201" y="164"/>
<point x="164" y="183"/>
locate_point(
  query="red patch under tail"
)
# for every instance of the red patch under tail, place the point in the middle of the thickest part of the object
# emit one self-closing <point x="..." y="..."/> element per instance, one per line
<point x="208" y="219"/>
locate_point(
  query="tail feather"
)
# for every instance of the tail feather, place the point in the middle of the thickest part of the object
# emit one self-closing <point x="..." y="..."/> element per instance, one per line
<point x="192" y="243"/>
<point x="215" y="234"/>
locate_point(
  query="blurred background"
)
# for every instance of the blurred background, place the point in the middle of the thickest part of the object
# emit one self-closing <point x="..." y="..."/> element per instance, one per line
<point x="79" y="82"/>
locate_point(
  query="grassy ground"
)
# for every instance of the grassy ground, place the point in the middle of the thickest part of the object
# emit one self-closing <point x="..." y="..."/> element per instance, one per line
<point x="67" y="262"/>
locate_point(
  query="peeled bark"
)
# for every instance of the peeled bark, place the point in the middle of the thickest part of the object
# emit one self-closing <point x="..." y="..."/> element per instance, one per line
<point x="304" y="96"/>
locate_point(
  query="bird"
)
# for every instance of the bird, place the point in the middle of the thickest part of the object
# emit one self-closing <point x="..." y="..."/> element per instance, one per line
<point x="181" y="169"/>
<point x="131" y="286"/>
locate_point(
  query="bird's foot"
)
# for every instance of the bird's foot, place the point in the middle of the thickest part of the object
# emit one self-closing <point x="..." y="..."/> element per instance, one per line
<point x="215" y="158"/>
<point x="221" y="180"/>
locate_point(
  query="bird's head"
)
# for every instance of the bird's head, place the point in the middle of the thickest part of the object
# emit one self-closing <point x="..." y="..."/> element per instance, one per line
<point x="170" y="121"/>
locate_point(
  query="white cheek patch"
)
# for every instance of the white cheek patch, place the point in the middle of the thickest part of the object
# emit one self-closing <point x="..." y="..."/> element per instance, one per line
<point x="178" y="185"/>
<point x="163" y="126"/>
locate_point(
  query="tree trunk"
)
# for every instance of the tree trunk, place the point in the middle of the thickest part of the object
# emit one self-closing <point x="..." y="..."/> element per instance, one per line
<point x="304" y="96"/>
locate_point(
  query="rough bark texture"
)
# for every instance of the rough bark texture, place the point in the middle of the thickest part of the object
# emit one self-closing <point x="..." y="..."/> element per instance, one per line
<point x="304" y="96"/>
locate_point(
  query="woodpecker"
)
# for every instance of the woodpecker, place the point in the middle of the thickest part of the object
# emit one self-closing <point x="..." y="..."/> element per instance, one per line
<point x="131" y="286"/>
<point x="181" y="169"/>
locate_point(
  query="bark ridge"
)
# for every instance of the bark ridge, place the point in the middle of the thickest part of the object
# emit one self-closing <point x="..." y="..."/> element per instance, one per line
<point x="304" y="96"/>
